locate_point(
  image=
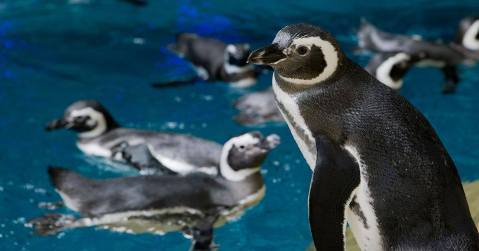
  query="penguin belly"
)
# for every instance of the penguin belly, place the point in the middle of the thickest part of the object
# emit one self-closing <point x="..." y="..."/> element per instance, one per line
<point x="360" y="213"/>
<point x="162" y="221"/>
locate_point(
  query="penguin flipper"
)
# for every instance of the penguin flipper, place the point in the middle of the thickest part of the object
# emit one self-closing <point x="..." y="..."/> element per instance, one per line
<point x="334" y="178"/>
<point x="140" y="157"/>
<point x="51" y="224"/>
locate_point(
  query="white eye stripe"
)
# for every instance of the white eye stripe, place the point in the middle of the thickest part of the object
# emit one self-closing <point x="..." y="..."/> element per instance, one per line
<point x="331" y="57"/>
<point x="95" y="116"/>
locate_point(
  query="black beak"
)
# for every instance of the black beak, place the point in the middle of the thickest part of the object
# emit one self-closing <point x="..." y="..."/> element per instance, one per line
<point x="56" y="124"/>
<point x="271" y="142"/>
<point x="268" y="55"/>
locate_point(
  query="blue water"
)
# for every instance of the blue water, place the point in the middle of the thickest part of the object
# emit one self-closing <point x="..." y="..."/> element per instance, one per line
<point x="55" y="52"/>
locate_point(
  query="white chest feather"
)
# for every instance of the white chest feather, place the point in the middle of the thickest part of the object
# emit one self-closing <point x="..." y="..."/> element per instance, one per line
<point x="288" y="102"/>
<point x="94" y="149"/>
<point x="366" y="233"/>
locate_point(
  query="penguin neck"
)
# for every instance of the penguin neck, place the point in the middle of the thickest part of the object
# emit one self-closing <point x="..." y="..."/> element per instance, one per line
<point x="243" y="190"/>
<point x="310" y="111"/>
<point x="103" y="126"/>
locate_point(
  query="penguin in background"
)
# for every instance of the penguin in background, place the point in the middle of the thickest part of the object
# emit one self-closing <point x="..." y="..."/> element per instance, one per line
<point x="378" y="165"/>
<point x="391" y="68"/>
<point x="467" y="38"/>
<point x="194" y="203"/>
<point x="257" y="108"/>
<point x="148" y="151"/>
<point x="213" y="60"/>
<point x="431" y="54"/>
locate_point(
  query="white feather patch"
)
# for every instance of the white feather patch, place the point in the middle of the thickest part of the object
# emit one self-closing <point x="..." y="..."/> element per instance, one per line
<point x="469" y="39"/>
<point x="95" y="116"/>
<point x="383" y="72"/>
<point x="331" y="58"/>
<point x="367" y="238"/>
<point x="290" y="104"/>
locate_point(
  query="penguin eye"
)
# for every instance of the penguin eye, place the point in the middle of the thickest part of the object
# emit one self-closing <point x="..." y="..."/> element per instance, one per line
<point x="302" y="50"/>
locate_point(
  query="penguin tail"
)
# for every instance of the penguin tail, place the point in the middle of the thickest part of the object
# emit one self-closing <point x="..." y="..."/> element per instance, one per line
<point x="50" y="224"/>
<point x="66" y="180"/>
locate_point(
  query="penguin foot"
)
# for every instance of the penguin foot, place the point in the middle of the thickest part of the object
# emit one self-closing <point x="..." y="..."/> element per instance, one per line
<point x="51" y="205"/>
<point x="448" y="88"/>
<point x="50" y="224"/>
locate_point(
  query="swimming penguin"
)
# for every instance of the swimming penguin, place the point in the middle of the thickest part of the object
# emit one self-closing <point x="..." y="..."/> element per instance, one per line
<point x="214" y="60"/>
<point x="467" y="38"/>
<point x="390" y="68"/>
<point x="431" y="54"/>
<point x="257" y="108"/>
<point x="164" y="203"/>
<point x="377" y="163"/>
<point x="100" y="135"/>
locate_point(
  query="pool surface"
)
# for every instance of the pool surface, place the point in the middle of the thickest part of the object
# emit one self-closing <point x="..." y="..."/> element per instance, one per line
<point x="55" y="52"/>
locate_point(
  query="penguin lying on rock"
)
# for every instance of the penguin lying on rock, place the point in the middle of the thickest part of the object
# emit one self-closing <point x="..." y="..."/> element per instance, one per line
<point x="213" y="60"/>
<point x="378" y="165"/>
<point x="433" y="54"/>
<point x="100" y="135"/>
<point x="193" y="203"/>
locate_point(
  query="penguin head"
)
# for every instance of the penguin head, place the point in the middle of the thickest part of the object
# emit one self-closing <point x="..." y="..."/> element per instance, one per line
<point x="237" y="54"/>
<point x="87" y="117"/>
<point x="390" y="69"/>
<point x="301" y="54"/>
<point x="468" y="34"/>
<point x="243" y="155"/>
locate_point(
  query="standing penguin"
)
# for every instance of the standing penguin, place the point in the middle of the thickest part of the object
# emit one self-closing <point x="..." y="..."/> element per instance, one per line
<point x="431" y="54"/>
<point x="377" y="163"/>
<point x="214" y="60"/>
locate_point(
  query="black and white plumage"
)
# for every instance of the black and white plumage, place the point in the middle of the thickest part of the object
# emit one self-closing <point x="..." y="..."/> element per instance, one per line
<point x="467" y="38"/>
<point x="433" y="54"/>
<point x="257" y="108"/>
<point x="377" y="163"/>
<point x="214" y="60"/>
<point x="100" y="135"/>
<point x="163" y="203"/>
<point x="390" y="68"/>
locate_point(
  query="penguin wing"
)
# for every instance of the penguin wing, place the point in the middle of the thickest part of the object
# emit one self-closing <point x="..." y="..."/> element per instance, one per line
<point x="334" y="178"/>
<point x="184" y="149"/>
<point x="138" y="193"/>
